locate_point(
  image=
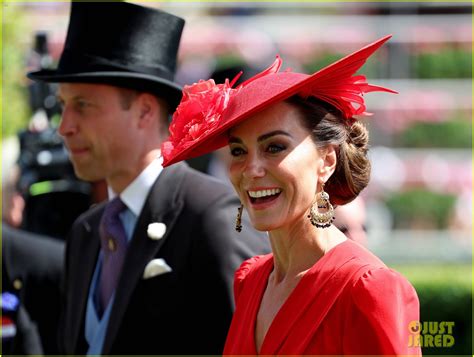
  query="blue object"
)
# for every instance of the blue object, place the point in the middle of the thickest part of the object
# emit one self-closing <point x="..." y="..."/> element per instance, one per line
<point x="9" y="302"/>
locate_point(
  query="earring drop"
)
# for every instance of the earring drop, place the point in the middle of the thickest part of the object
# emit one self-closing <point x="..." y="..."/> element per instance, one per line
<point x="238" y="220"/>
<point x="324" y="219"/>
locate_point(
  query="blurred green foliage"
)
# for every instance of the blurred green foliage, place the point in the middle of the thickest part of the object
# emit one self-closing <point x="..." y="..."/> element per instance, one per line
<point x="320" y="60"/>
<point x="15" y="107"/>
<point x="447" y="134"/>
<point x="447" y="63"/>
<point x="420" y="208"/>
<point x="445" y="294"/>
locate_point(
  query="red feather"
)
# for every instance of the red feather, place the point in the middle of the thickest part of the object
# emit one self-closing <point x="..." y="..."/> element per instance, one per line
<point x="336" y="84"/>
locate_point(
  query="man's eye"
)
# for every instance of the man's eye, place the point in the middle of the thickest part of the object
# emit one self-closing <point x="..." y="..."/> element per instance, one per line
<point x="236" y="152"/>
<point x="275" y="148"/>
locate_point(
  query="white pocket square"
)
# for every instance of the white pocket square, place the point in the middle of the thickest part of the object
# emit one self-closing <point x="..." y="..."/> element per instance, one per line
<point x="156" y="267"/>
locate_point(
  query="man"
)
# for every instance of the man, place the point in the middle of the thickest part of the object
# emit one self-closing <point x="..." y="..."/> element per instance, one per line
<point x="169" y="232"/>
<point x="31" y="271"/>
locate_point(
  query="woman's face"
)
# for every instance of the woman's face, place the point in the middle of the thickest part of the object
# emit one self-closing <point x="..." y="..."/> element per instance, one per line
<point x="274" y="167"/>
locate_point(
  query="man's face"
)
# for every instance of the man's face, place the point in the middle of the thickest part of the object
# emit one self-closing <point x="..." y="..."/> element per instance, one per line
<point x="100" y="135"/>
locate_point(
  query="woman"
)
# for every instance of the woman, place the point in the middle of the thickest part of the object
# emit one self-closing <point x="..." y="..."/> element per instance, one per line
<point x="297" y="150"/>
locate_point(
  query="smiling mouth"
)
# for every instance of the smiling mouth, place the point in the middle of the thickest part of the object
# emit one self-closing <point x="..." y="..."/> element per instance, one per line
<point x="264" y="196"/>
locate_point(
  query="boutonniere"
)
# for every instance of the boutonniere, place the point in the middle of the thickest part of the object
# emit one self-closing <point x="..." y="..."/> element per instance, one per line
<point x="156" y="230"/>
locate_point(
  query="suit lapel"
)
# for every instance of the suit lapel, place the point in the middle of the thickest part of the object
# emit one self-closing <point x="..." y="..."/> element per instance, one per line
<point x="162" y="205"/>
<point x="88" y="248"/>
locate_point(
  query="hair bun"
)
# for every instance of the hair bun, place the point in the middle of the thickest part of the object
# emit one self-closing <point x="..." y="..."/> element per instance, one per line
<point x="358" y="135"/>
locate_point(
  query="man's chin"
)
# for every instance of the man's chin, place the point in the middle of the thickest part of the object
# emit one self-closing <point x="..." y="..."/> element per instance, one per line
<point x="87" y="174"/>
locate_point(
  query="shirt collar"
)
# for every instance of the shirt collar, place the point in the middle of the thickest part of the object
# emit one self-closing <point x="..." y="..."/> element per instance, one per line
<point x="135" y="194"/>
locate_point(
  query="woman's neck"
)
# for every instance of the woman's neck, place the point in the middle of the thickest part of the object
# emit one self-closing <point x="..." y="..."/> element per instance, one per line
<point x="298" y="248"/>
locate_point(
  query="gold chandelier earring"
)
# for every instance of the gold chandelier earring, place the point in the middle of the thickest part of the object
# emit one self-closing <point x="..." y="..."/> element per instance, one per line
<point x="325" y="218"/>
<point x="238" y="220"/>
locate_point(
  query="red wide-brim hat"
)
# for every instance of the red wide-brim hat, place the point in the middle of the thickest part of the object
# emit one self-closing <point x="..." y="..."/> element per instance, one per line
<point x="208" y="110"/>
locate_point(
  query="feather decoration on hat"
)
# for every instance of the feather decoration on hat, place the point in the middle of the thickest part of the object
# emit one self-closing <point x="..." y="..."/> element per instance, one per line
<point x="336" y="84"/>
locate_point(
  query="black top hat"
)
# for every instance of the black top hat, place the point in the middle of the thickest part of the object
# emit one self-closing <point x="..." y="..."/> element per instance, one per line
<point x="120" y="44"/>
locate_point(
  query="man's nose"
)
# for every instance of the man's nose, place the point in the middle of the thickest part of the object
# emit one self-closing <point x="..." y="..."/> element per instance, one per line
<point x="67" y="125"/>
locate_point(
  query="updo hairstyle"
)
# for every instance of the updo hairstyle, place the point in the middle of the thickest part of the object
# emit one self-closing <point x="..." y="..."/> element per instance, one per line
<point x="351" y="139"/>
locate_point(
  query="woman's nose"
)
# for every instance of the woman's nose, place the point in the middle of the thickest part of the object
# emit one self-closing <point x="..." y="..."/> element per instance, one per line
<point x="254" y="167"/>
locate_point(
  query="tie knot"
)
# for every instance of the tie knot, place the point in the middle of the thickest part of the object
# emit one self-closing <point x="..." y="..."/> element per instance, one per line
<point x="111" y="229"/>
<point x="114" y="207"/>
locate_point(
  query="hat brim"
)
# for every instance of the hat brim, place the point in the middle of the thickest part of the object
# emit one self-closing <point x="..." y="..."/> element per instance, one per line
<point x="245" y="104"/>
<point x="168" y="90"/>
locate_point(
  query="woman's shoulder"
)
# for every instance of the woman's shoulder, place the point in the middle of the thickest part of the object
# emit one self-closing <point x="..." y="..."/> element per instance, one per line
<point x="370" y="277"/>
<point x="248" y="268"/>
<point x="378" y="287"/>
<point x="251" y="265"/>
<point x="378" y="280"/>
<point x="371" y="270"/>
<point x="381" y="304"/>
<point x="359" y="255"/>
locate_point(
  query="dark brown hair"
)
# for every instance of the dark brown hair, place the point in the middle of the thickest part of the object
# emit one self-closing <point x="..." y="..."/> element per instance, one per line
<point x="127" y="96"/>
<point x="351" y="139"/>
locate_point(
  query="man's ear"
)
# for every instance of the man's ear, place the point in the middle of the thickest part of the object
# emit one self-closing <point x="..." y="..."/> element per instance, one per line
<point x="328" y="161"/>
<point x="148" y="109"/>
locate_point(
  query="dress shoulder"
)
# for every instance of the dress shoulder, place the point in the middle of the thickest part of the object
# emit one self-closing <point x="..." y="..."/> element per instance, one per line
<point x="383" y="305"/>
<point x="245" y="270"/>
<point x="382" y="284"/>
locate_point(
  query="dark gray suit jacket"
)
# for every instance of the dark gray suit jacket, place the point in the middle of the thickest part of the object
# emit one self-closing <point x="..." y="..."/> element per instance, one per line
<point x="36" y="261"/>
<point x="187" y="311"/>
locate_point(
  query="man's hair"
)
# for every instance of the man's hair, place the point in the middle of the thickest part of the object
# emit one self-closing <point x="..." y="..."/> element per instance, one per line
<point x="127" y="97"/>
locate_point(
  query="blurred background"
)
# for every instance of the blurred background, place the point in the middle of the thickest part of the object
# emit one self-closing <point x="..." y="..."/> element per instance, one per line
<point x="416" y="213"/>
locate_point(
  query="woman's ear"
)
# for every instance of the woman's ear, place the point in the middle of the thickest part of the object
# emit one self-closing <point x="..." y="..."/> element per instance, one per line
<point x="327" y="162"/>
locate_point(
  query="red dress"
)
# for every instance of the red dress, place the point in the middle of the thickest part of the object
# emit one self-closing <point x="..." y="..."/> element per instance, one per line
<point x="348" y="303"/>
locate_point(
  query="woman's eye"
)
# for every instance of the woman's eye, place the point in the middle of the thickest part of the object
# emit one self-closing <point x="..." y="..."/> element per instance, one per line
<point x="275" y="148"/>
<point x="236" y="152"/>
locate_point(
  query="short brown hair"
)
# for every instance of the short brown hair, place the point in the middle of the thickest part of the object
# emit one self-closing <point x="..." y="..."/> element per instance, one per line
<point x="127" y="96"/>
<point x="351" y="138"/>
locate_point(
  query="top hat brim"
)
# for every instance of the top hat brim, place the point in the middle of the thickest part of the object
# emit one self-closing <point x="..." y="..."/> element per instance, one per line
<point x="161" y="87"/>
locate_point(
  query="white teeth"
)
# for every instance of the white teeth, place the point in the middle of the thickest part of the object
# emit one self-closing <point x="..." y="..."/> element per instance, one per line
<point x="264" y="193"/>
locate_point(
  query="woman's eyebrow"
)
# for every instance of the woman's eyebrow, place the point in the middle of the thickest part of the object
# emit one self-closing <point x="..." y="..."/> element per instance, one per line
<point x="235" y="140"/>
<point x="272" y="133"/>
<point x="263" y="137"/>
